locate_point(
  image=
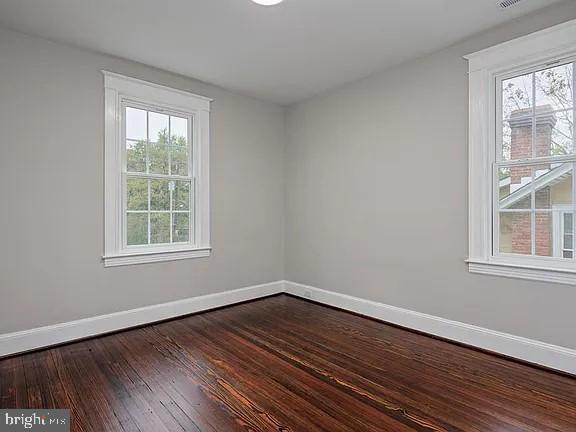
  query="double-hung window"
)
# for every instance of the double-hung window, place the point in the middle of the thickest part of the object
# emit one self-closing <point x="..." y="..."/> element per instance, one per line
<point x="156" y="198"/>
<point x="522" y="188"/>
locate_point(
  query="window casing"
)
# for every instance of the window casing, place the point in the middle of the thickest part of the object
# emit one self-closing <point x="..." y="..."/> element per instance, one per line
<point x="521" y="157"/>
<point x="157" y="172"/>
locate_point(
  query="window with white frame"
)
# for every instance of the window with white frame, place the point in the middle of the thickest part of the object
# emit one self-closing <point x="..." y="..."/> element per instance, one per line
<point x="156" y="206"/>
<point x="522" y="191"/>
<point x="534" y="160"/>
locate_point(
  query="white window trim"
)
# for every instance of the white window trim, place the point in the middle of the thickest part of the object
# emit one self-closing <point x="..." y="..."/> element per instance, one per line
<point x="485" y="67"/>
<point x="117" y="89"/>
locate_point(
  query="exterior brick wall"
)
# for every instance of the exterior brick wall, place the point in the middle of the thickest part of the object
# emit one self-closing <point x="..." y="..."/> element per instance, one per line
<point x="543" y="234"/>
<point x="521" y="233"/>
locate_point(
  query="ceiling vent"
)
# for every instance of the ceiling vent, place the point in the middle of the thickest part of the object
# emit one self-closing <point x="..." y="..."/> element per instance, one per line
<point x="505" y="4"/>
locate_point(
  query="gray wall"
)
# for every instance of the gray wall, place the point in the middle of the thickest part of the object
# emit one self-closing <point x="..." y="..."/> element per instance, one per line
<point x="51" y="186"/>
<point x="375" y="187"/>
<point x="377" y="196"/>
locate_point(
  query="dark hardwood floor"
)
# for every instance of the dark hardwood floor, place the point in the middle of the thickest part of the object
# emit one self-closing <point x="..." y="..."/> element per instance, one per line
<point x="283" y="364"/>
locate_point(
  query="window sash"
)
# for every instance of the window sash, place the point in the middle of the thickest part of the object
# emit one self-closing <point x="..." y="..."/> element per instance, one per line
<point x="191" y="212"/>
<point x="497" y="158"/>
<point x="125" y="174"/>
<point x="499" y="162"/>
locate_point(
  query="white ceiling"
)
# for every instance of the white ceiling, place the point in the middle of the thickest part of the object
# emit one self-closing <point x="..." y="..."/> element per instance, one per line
<point x="283" y="53"/>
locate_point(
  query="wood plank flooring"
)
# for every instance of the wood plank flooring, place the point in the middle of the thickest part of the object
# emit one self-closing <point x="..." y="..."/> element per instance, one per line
<point x="284" y="364"/>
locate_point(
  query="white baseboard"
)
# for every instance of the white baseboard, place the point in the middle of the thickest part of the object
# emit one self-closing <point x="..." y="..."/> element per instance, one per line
<point x="540" y="353"/>
<point x="22" y="341"/>
<point x="552" y="356"/>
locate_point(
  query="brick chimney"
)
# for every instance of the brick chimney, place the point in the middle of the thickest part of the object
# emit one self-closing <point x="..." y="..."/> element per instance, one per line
<point x="521" y="148"/>
<point x="521" y="141"/>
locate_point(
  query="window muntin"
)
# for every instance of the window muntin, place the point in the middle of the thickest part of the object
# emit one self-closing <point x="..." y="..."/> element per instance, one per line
<point x="533" y="172"/>
<point x="157" y="177"/>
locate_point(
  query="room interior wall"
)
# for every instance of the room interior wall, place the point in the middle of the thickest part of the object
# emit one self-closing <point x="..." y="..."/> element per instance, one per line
<point x="361" y="191"/>
<point x="51" y="184"/>
<point x="376" y="196"/>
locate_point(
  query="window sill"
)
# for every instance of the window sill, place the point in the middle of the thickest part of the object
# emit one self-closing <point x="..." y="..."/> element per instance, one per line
<point x="519" y="271"/>
<point x="154" y="256"/>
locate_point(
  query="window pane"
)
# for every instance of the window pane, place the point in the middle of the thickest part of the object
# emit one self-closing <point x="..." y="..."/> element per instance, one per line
<point x="567" y="241"/>
<point x="159" y="194"/>
<point x="544" y="233"/>
<point x="158" y="128"/>
<point x="567" y="236"/>
<point x="554" y="134"/>
<point x="554" y="88"/>
<point x="515" y="187"/>
<point x="158" y="154"/>
<point x="567" y="223"/>
<point x="516" y="233"/>
<point x="137" y="227"/>
<point x="181" y="227"/>
<point x="506" y="141"/>
<point x="159" y="227"/>
<point x="179" y="155"/>
<point x="135" y="124"/>
<point x="517" y="97"/>
<point x="181" y="195"/>
<point x="136" y="156"/>
<point x="179" y="130"/>
<point x="137" y="194"/>
<point x="562" y="133"/>
<point x="553" y="185"/>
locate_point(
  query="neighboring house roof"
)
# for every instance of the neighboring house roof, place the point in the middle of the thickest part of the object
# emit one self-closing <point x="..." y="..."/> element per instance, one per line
<point x="551" y="177"/>
<point x="505" y="181"/>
